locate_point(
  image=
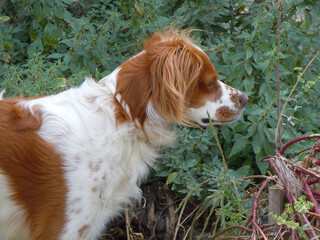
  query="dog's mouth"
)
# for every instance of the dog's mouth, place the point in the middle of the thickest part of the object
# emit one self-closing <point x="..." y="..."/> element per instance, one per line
<point x="206" y="121"/>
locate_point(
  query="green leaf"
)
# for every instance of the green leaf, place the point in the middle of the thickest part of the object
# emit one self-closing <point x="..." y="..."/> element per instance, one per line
<point x="241" y="172"/>
<point x="262" y="65"/>
<point x="218" y="29"/>
<point x="4" y="19"/>
<point x="243" y="35"/>
<point x="162" y="174"/>
<point x="226" y="133"/>
<point x="38" y="12"/>
<point x="190" y="163"/>
<point x="55" y="56"/>
<point x="35" y="48"/>
<point x="171" y="177"/>
<point x="33" y="33"/>
<point x="249" y="52"/>
<point x="256" y="144"/>
<point x="239" y="145"/>
<point x="70" y="1"/>
<point x="308" y="18"/>
<point x="248" y="68"/>
<point x="58" y="83"/>
<point x="263" y="166"/>
<point x="51" y="34"/>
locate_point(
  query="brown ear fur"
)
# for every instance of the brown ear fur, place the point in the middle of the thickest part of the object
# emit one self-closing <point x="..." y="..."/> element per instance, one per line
<point x="165" y="73"/>
<point x="174" y="70"/>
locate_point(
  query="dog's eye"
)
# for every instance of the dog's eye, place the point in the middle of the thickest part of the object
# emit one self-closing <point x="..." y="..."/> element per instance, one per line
<point x="211" y="84"/>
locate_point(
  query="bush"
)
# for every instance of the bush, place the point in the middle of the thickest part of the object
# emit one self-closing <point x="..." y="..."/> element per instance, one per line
<point x="47" y="46"/>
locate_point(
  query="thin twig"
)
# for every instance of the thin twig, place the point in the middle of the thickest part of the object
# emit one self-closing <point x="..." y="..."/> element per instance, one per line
<point x="314" y="214"/>
<point x="313" y="181"/>
<point x="294" y="87"/>
<point x="127" y="222"/>
<point x="302" y="169"/>
<point x="229" y="228"/>
<point x="187" y="217"/>
<point x="196" y="217"/>
<point x="278" y="76"/>
<point x="286" y="188"/>
<point x="288" y="144"/>
<point x="310" y="195"/>
<point x="219" y="146"/>
<point x="231" y="237"/>
<point x="310" y="232"/>
<point x="253" y="176"/>
<point x="255" y="206"/>
<point x="179" y="220"/>
<point x="245" y="225"/>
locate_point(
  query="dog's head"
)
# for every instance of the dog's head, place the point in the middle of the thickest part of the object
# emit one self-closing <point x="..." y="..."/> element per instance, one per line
<point x="178" y="79"/>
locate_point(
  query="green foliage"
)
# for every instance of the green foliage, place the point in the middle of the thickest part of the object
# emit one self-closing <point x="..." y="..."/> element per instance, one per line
<point x="221" y="190"/>
<point x="193" y="159"/>
<point x="226" y="201"/>
<point x="301" y="206"/>
<point x="245" y="54"/>
<point x="91" y="37"/>
<point x="47" y="46"/>
<point x="38" y="77"/>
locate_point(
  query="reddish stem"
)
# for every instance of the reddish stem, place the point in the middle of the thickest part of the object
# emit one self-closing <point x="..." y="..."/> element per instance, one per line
<point x="290" y="196"/>
<point x="301" y="169"/>
<point x="310" y="232"/>
<point x="245" y="225"/>
<point x="231" y="227"/>
<point x="314" y="192"/>
<point x="310" y="195"/>
<point x="288" y="144"/>
<point x="255" y="207"/>
<point x="297" y="154"/>
<point x="313" y="181"/>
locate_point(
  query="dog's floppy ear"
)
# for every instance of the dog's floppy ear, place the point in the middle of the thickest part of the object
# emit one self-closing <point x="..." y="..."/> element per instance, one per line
<point x="175" y="69"/>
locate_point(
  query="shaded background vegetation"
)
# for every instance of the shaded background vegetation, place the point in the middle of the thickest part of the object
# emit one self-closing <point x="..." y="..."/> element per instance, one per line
<point x="48" y="46"/>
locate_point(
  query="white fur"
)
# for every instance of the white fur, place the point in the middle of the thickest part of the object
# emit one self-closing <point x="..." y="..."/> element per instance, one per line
<point x="12" y="221"/>
<point x="2" y="94"/>
<point x="104" y="163"/>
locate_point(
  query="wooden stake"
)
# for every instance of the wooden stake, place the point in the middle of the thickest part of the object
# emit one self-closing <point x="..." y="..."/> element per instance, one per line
<point x="276" y="197"/>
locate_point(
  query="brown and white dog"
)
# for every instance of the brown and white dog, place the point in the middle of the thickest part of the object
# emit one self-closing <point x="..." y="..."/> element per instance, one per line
<point x="69" y="162"/>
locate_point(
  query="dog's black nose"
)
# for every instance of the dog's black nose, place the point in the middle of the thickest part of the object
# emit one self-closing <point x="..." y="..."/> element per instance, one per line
<point x="243" y="99"/>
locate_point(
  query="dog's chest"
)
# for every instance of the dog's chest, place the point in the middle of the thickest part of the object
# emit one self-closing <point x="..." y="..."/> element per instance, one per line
<point x="103" y="163"/>
<point x="99" y="187"/>
<point x="97" y="191"/>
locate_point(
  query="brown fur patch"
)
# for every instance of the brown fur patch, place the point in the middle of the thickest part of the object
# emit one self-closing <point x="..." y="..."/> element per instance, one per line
<point x="207" y="88"/>
<point x="225" y="114"/>
<point x="135" y="88"/>
<point x="34" y="170"/>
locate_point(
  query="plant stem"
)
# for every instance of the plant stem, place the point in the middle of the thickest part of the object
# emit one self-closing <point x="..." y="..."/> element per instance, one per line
<point x="288" y="144"/>
<point x="310" y="196"/>
<point x="278" y="76"/>
<point x="219" y="146"/>
<point x="232" y="227"/>
<point x="208" y="218"/>
<point x="294" y="87"/>
<point x="255" y="206"/>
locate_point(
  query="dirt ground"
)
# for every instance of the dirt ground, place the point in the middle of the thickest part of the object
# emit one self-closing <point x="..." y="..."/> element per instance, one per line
<point x="153" y="218"/>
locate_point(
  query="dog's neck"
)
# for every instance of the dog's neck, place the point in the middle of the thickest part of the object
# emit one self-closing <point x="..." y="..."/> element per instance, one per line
<point x="155" y="130"/>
